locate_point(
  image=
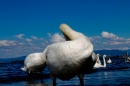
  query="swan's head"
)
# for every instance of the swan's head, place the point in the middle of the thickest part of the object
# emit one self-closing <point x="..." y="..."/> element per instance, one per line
<point x="24" y="69"/>
<point x="98" y="55"/>
<point x="68" y="32"/>
<point x="104" y="55"/>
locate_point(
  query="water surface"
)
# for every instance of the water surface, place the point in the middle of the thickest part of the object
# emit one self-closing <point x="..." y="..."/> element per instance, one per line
<point x="117" y="73"/>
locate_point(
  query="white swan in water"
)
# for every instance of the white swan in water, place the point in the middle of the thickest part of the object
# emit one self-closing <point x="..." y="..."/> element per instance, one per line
<point x="98" y="60"/>
<point x="34" y="63"/>
<point x="70" y="58"/>
<point x="127" y="58"/>
<point x="109" y="60"/>
<point x="97" y="65"/>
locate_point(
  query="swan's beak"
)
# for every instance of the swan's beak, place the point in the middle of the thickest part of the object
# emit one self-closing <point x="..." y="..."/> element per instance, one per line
<point x="22" y="69"/>
<point x="25" y="70"/>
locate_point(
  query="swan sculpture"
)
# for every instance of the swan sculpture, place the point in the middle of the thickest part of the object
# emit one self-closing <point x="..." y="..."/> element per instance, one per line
<point x="109" y="60"/>
<point x="97" y="65"/>
<point x="70" y="58"/>
<point x="34" y="63"/>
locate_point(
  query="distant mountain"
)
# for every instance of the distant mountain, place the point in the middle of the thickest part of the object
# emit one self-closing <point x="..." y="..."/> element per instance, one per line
<point x="112" y="52"/>
<point x="12" y="59"/>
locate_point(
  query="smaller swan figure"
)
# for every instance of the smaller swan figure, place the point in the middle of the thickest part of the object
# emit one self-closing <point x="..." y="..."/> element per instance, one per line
<point x="109" y="60"/>
<point x="98" y="60"/>
<point x="127" y="58"/>
<point x="33" y="63"/>
<point x="97" y="65"/>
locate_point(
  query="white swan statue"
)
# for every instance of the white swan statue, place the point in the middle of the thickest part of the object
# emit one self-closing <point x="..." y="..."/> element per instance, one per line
<point x="70" y="58"/>
<point x="97" y="65"/>
<point x="109" y="60"/>
<point x="34" y="63"/>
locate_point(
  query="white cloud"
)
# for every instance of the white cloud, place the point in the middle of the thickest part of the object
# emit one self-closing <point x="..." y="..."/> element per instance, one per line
<point x="28" y="40"/>
<point x="113" y="43"/>
<point x="41" y="38"/>
<point x="56" y="38"/>
<point x="7" y="43"/>
<point x="20" y="36"/>
<point x="108" y="35"/>
<point x="12" y="49"/>
<point x="34" y="37"/>
<point x="15" y="48"/>
<point x="95" y="38"/>
<point x="109" y="41"/>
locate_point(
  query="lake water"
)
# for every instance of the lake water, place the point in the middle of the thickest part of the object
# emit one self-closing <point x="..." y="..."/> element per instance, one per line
<point x="116" y="73"/>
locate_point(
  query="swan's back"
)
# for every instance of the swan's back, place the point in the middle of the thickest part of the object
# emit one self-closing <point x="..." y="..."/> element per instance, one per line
<point x="34" y="58"/>
<point x="34" y="63"/>
<point x="66" y="56"/>
<point x="65" y="59"/>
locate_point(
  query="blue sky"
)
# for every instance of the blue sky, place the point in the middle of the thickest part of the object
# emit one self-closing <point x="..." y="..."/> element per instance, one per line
<point x="28" y="26"/>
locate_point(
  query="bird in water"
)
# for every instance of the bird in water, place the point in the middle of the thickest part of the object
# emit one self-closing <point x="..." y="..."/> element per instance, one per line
<point x="73" y="57"/>
<point x="34" y="63"/>
<point x="98" y="65"/>
<point x="109" y="60"/>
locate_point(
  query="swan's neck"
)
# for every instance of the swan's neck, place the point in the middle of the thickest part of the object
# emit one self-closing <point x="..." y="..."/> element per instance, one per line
<point x="104" y="61"/>
<point x="98" y="60"/>
<point x="68" y="33"/>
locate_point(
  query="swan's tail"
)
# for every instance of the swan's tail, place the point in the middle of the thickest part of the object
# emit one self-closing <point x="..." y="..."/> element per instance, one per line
<point x="68" y="32"/>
